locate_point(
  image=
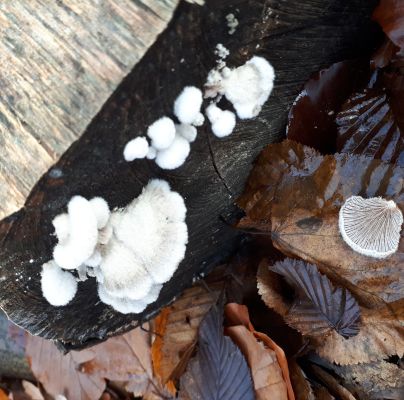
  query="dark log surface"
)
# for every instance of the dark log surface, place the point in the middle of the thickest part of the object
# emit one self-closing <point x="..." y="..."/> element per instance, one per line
<point x="297" y="36"/>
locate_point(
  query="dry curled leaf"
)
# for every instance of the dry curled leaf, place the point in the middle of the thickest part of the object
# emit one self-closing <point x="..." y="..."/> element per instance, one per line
<point x="269" y="367"/>
<point x="177" y="331"/>
<point x="81" y="374"/>
<point x="219" y="370"/>
<point x="296" y="193"/>
<point x="390" y="16"/>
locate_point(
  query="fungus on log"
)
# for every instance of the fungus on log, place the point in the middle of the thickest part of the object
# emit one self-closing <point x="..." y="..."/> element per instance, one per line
<point x="297" y="38"/>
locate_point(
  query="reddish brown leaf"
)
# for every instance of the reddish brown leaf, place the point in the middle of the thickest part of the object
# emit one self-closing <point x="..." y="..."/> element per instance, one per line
<point x="390" y="16"/>
<point x="3" y="395"/>
<point x="300" y="192"/>
<point x="311" y="118"/>
<point x="266" y="359"/>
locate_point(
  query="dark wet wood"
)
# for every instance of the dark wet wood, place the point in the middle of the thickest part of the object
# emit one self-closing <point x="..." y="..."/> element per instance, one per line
<point x="297" y="37"/>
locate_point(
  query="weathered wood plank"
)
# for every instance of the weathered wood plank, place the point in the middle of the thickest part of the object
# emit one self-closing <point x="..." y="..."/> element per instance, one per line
<point x="59" y="62"/>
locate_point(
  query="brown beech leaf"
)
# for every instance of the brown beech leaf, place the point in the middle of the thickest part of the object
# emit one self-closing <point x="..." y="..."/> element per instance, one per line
<point x="301" y="386"/>
<point x="297" y="193"/>
<point x="269" y="367"/>
<point x="311" y="119"/>
<point x="177" y="332"/>
<point x="390" y="16"/>
<point x="3" y="395"/>
<point x="81" y="374"/>
<point x="219" y="370"/>
<point x="319" y="306"/>
<point x="381" y="334"/>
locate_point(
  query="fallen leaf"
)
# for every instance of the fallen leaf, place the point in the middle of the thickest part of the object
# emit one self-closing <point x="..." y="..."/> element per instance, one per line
<point x="219" y="370"/>
<point x="81" y="374"/>
<point x="369" y="124"/>
<point x="177" y="331"/>
<point x="269" y="367"/>
<point x="321" y="393"/>
<point x="319" y="307"/>
<point x="301" y="386"/>
<point x="381" y="334"/>
<point x="311" y="119"/>
<point x="390" y="16"/>
<point x="3" y="395"/>
<point x="32" y="391"/>
<point x="298" y="193"/>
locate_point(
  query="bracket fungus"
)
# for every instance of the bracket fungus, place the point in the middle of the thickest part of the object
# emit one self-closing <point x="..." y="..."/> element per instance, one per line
<point x="371" y="226"/>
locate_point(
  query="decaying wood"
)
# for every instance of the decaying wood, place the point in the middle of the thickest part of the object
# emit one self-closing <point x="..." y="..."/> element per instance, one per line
<point x="297" y="37"/>
<point x="59" y="62"/>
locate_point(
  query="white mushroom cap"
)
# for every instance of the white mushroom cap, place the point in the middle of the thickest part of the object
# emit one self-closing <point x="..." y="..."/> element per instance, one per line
<point x="83" y="235"/>
<point x="162" y="133"/>
<point x="136" y="148"/>
<point x="151" y="154"/>
<point x="101" y="211"/>
<point x="371" y="226"/>
<point x="58" y="286"/>
<point x="121" y="304"/>
<point x="246" y="87"/>
<point x="148" y="243"/>
<point x="223" y="121"/>
<point x="61" y="225"/>
<point x="188" y="104"/>
<point x="174" y="156"/>
<point x="187" y="131"/>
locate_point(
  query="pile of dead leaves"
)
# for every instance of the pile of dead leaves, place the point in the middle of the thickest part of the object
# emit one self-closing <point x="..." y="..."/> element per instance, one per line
<point x="328" y="321"/>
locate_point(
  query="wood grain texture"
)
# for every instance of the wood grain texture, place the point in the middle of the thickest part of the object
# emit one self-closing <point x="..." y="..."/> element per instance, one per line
<point x="297" y="37"/>
<point x="60" y="60"/>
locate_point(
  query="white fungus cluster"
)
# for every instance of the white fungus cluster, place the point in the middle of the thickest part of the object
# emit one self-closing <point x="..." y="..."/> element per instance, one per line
<point x="170" y="142"/>
<point x="131" y="252"/>
<point x="371" y="226"/>
<point x="247" y="87"/>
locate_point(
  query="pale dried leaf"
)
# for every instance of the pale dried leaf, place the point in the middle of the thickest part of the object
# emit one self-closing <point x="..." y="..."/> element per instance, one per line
<point x="32" y="391"/>
<point x="177" y="328"/>
<point x="381" y="335"/>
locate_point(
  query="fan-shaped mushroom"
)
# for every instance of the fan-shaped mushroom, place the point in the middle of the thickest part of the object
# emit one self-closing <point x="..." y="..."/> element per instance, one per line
<point x="371" y="226"/>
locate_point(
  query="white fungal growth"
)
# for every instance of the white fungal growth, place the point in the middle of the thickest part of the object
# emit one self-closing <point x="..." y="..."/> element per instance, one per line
<point x="175" y="155"/>
<point x="187" y="131"/>
<point x="83" y="235"/>
<point x="58" y="286"/>
<point x="61" y="225"/>
<point x="246" y="87"/>
<point x="371" y="226"/>
<point x="136" y="148"/>
<point x="188" y="104"/>
<point x="221" y="51"/>
<point x="232" y="23"/>
<point x="162" y="133"/>
<point x="223" y="121"/>
<point x="148" y="243"/>
<point x="152" y="153"/>
<point x="101" y="211"/>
